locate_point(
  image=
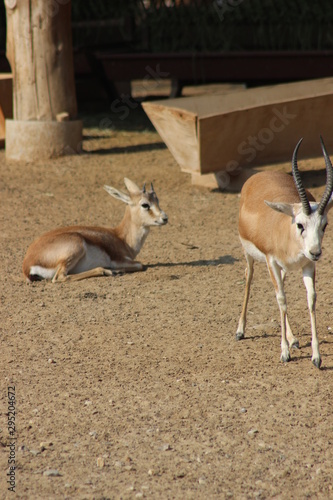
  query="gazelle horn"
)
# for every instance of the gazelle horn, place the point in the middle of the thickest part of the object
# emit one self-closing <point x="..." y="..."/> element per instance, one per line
<point x="298" y="181"/>
<point x="329" y="180"/>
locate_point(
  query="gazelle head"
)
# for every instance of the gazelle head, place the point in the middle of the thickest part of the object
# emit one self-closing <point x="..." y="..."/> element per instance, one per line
<point x="142" y="204"/>
<point x="308" y="218"/>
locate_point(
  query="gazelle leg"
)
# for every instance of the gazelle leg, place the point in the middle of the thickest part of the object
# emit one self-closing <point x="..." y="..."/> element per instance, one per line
<point x="248" y="275"/>
<point x="277" y="279"/>
<point x="118" y="267"/>
<point x="92" y="273"/>
<point x="129" y="266"/>
<point x="292" y="341"/>
<point x="67" y="264"/>
<point x="309" y="282"/>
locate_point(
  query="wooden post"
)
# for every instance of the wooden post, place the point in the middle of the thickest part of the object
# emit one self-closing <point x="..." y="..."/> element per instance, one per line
<point x="6" y="104"/>
<point x="39" y="51"/>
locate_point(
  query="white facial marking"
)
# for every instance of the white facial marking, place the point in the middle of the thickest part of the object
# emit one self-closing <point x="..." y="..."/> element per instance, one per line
<point x="151" y="213"/>
<point x="310" y="230"/>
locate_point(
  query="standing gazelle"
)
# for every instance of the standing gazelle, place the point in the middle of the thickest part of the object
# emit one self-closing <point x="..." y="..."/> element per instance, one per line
<point x="79" y="252"/>
<point x="281" y="223"/>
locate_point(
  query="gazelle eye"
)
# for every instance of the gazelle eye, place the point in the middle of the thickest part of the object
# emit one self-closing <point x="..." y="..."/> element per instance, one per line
<point x="300" y="227"/>
<point x="146" y="206"/>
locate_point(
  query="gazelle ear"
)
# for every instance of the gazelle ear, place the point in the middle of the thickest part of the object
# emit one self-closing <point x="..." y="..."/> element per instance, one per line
<point x="132" y="187"/>
<point x="118" y="194"/>
<point x="285" y="208"/>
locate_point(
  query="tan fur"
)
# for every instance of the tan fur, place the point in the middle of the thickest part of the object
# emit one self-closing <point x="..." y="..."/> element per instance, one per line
<point x="52" y="247"/>
<point x="258" y="223"/>
<point x="63" y="250"/>
<point x="274" y="234"/>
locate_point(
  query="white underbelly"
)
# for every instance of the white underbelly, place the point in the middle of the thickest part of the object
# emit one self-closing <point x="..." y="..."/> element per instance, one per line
<point x="94" y="257"/>
<point x="299" y="261"/>
<point x="252" y="250"/>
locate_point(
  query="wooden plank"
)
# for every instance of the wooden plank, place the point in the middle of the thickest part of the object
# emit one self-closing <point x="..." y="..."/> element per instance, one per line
<point x="242" y="66"/>
<point x="188" y="68"/>
<point x="227" y="102"/>
<point x="178" y="129"/>
<point x="247" y="128"/>
<point x="265" y="134"/>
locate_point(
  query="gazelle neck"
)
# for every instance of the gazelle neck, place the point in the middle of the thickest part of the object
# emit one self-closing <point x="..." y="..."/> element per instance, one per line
<point x="132" y="232"/>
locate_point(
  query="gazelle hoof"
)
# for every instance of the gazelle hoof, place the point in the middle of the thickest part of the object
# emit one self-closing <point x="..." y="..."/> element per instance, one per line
<point x="108" y="272"/>
<point x="317" y="362"/>
<point x="295" y="345"/>
<point x="239" y="335"/>
<point x="285" y="357"/>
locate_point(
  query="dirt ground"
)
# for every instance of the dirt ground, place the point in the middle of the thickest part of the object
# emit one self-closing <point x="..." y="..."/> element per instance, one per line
<point x="134" y="386"/>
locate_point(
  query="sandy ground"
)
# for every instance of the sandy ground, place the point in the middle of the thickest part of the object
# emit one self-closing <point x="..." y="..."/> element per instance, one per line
<point x="134" y="386"/>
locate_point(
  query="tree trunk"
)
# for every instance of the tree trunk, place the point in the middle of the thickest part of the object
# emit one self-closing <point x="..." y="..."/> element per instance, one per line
<point x="39" y="50"/>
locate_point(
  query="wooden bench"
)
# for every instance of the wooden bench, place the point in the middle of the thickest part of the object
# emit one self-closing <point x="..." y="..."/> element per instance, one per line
<point x="228" y="133"/>
<point x="252" y="67"/>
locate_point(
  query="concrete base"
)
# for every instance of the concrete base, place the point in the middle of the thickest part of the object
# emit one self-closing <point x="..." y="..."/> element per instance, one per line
<point x="41" y="140"/>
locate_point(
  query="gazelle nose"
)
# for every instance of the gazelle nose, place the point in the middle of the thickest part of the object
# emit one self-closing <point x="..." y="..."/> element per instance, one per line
<point x="315" y="255"/>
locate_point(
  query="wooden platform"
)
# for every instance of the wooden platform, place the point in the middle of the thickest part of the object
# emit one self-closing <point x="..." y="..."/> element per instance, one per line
<point x="250" y="67"/>
<point x="6" y="103"/>
<point x="232" y="132"/>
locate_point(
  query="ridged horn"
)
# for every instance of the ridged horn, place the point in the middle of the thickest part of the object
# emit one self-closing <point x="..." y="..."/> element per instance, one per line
<point x="298" y="181"/>
<point x="152" y="187"/>
<point x="144" y="188"/>
<point x="329" y="180"/>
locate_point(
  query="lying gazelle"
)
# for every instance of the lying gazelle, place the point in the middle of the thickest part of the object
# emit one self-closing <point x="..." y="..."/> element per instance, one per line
<point x="79" y="252"/>
<point x="280" y="223"/>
